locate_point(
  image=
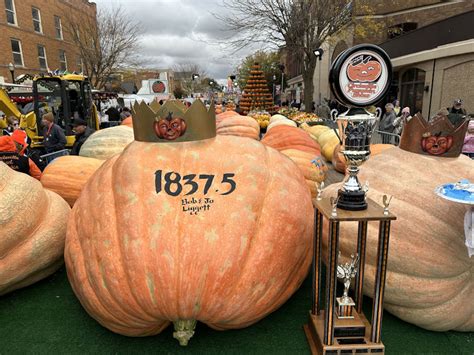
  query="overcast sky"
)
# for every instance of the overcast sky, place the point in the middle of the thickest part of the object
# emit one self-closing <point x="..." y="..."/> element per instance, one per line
<point x="181" y="31"/>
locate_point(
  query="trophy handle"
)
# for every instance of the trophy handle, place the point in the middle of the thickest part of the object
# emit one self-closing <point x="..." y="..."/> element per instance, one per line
<point x="378" y="113"/>
<point x="333" y="114"/>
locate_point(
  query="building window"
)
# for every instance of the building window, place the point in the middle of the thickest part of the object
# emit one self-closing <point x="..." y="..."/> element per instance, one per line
<point x="62" y="60"/>
<point x="17" y="54"/>
<point x="80" y="65"/>
<point x="401" y="28"/>
<point x="59" y="27"/>
<point x="11" y="13"/>
<point x="411" y="87"/>
<point x="35" y="13"/>
<point x="43" y="63"/>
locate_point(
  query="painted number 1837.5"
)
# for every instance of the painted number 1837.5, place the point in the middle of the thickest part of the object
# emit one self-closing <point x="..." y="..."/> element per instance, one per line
<point x="173" y="184"/>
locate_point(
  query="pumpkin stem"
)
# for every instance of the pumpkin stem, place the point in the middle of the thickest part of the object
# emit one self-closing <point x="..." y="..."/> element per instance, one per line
<point x="184" y="330"/>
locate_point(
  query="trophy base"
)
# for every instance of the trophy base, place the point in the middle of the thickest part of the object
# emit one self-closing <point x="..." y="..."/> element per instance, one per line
<point x="344" y="308"/>
<point x="351" y="200"/>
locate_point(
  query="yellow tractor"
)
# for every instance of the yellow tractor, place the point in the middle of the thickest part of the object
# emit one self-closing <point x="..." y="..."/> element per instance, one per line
<point x="65" y="95"/>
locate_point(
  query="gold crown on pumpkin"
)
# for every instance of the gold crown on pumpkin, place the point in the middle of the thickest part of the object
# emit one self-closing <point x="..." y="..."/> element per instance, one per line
<point x="439" y="137"/>
<point x="173" y="122"/>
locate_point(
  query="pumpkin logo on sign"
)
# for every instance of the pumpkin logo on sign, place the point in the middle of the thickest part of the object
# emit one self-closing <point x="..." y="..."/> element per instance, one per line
<point x="363" y="72"/>
<point x="158" y="87"/>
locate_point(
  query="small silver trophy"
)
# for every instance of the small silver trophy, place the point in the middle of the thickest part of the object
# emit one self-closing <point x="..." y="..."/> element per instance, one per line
<point x="355" y="132"/>
<point x="333" y="201"/>
<point x="320" y="189"/>
<point x="386" y="203"/>
<point x="346" y="272"/>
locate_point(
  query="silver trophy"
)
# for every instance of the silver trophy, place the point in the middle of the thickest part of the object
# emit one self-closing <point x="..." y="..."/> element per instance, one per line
<point x="347" y="272"/>
<point x="355" y="128"/>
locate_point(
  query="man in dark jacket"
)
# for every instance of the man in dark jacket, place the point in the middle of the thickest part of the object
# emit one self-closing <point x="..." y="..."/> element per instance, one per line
<point x="54" y="138"/>
<point x="82" y="133"/>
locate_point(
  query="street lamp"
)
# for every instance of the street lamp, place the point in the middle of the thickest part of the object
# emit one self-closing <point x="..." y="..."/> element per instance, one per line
<point x="274" y="80"/>
<point x="195" y="76"/>
<point x="211" y="91"/>
<point x="282" y="69"/>
<point x="11" y="67"/>
<point x="318" y="53"/>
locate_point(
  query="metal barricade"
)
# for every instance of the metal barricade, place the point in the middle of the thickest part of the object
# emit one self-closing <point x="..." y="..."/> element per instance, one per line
<point x="385" y="137"/>
<point x="47" y="158"/>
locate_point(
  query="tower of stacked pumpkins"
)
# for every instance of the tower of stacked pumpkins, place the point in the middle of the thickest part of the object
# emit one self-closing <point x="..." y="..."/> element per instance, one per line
<point x="256" y="95"/>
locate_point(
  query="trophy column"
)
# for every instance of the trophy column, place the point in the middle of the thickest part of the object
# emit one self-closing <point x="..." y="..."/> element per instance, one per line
<point x="341" y="327"/>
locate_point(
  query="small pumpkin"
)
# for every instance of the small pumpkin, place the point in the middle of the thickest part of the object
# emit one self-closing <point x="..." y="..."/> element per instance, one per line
<point x="145" y="259"/>
<point x="33" y="228"/>
<point x="107" y="142"/>
<point x="67" y="175"/>
<point x="241" y="126"/>
<point x="286" y="137"/>
<point x="429" y="278"/>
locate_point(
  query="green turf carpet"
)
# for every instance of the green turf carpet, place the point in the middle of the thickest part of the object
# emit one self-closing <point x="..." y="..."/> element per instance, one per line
<point x="46" y="318"/>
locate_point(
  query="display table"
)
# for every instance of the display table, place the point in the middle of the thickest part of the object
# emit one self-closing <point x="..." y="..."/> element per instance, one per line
<point x="461" y="192"/>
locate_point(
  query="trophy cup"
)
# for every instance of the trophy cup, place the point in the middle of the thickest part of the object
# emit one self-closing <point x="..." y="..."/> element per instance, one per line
<point x="355" y="131"/>
<point x="347" y="272"/>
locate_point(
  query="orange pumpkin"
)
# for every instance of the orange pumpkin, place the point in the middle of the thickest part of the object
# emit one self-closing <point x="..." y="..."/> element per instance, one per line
<point x="144" y="259"/>
<point x="224" y="115"/>
<point x="128" y="122"/>
<point x="429" y="278"/>
<point x="33" y="229"/>
<point x="67" y="175"/>
<point x="241" y="126"/>
<point x="313" y="168"/>
<point x="286" y="137"/>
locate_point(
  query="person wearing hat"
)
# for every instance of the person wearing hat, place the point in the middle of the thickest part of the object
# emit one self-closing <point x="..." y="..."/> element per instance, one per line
<point x="54" y="138"/>
<point x="82" y="133"/>
<point x="457" y="114"/>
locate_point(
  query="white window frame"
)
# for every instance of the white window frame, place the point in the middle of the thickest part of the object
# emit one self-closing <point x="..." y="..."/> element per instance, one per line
<point x="21" y="53"/>
<point x="14" y="14"/>
<point x="45" y="57"/>
<point x="60" y="27"/>
<point x="80" y="64"/>
<point x="65" y="59"/>
<point x="37" y="20"/>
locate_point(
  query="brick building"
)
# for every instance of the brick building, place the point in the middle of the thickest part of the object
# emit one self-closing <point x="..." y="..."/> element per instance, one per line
<point x="383" y="22"/>
<point x="34" y="35"/>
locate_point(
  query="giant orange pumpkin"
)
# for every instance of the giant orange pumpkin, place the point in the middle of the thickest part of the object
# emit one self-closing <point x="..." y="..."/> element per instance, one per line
<point x="67" y="175"/>
<point x="138" y="257"/>
<point x="429" y="278"/>
<point x="32" y="230"/>
<point x="241" y="126"/>
<point x="286" y="137"/>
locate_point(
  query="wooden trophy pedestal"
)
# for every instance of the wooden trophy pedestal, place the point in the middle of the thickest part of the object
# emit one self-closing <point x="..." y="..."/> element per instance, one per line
<point x="351" y="336"/>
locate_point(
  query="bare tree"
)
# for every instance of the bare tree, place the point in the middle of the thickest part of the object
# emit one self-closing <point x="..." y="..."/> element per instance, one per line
<point x="301" y="26"/>
<point x="106" y="44"/>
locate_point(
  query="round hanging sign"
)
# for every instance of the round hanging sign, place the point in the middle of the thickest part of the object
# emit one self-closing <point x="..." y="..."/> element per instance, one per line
<point x="361" y="76"/>
<point x="158" y="87"/>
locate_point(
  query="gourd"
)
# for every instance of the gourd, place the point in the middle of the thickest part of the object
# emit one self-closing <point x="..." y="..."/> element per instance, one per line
<point x="241" y="126"/>
<point x="33" y="229"/>
<point x="68" y="174"/>
<point x="286" y="137"/>
<point x="107" y="142"/>
<point x="429" y="279"/>
<point x="146" y="258"/>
